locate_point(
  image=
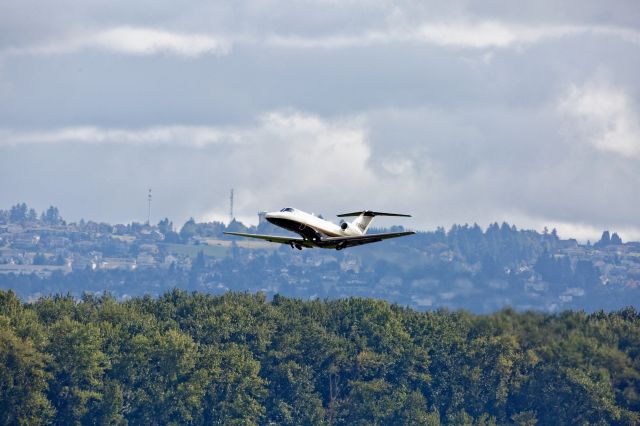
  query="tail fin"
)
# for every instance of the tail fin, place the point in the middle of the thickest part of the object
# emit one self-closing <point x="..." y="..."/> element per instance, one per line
<point x="366" y="216"/>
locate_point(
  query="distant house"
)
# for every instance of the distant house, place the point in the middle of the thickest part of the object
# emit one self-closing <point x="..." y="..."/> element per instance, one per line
<point x="25" y="241"/>
<point x="145" y="260"/>
<point x="150" y="236"/>
<point x="111" y="263"/>
<point x="80" y="262"/>
<point x="169" y="259"/>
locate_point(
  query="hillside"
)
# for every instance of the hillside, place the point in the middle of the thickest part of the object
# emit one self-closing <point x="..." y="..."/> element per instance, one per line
<point x="482" y="270"/>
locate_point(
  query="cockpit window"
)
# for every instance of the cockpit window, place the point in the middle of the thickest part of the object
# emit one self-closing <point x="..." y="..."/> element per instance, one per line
<point x="287" y="209"/>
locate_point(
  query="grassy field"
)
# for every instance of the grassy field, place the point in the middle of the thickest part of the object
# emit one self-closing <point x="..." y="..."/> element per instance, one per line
<point x="215" y="248"/>
<point x="192" y="250"/>
<point x="244" y="243"/>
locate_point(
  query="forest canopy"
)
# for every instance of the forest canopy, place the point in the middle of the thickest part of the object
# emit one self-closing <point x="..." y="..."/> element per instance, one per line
<point x="239" y="358"/>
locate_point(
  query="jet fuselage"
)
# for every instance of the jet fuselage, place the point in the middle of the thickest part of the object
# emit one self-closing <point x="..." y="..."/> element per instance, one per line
<point x="310" y="226"/>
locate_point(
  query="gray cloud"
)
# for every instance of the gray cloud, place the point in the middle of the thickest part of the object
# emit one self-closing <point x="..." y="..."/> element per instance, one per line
<point x="131" y="41"/>
<point x="458" y="174"/>
<point x="455" y="34"/>
<point x="458" y="113"/>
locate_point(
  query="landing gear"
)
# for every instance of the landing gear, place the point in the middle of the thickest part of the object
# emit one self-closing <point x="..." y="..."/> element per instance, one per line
<point x="296" y="245"/>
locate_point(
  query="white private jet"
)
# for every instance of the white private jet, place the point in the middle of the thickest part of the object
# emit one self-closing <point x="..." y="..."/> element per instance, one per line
<point x="317" y="232"/>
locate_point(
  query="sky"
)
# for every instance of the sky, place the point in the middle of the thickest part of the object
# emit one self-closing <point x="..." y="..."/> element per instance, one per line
<point x="454" y="112"/>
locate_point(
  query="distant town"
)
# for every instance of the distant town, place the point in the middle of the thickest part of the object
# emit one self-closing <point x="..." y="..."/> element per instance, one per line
<point x="481" y="270"/>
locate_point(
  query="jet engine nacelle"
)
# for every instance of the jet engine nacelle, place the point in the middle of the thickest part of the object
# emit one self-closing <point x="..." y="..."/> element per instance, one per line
<point x="349" y="229"/>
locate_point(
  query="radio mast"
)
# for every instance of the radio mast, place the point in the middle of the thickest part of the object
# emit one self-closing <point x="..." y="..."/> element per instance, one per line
<point x="231" y="206"/>
<point x="149" y="210"/>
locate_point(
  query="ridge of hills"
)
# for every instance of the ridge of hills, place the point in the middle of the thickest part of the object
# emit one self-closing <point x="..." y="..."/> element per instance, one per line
<point x="481" y="270"/>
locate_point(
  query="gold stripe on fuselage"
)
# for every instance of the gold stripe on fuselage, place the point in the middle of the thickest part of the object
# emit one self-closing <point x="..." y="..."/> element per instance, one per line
<point x="320" y="229"/>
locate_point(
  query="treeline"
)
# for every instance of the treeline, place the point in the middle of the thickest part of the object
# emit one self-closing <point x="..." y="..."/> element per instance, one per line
<point x="499" y="244"/>
<point x="22" y="214"/>
<point x="241" y="359"/>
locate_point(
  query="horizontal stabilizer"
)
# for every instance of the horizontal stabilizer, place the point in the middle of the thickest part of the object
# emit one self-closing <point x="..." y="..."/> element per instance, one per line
<point x="371" y="213"/>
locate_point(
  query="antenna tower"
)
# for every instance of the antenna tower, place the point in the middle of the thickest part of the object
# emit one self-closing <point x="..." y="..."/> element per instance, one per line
<point x="231" y="206"/>
<point x="149" y="210"/>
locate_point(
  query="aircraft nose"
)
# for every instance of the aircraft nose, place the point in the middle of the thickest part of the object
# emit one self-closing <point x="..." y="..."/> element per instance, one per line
<point x="269" y="217"/>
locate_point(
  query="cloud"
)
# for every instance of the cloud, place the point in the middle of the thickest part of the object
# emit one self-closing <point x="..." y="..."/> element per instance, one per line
<point x="312" y="132"/>
<point x="603" y="115"/>
<point x="491" y="163"/>
<point x="448" y="34"/>
<point x="196" y="136"/>
<point x="332" y="41"/>
<point x="280" y="146"/>
<point x="283" y="158"/>
<point x="456" y="34"/>
<point x="288" y="157"/>
<point x="132" y="41"/>
<point x="585" y="232"/>
<point x="461" y="112"/>
<point x="494" y="34"/>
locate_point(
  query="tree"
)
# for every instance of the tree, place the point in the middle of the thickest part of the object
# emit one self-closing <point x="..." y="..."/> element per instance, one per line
<point x="585" y="274"/>
<point x="199" y="262"/>
<point x="165" y="380"/>
<point x="573" y="395"/>
<point x="39" y="259"/>
<point x="32" y="216"/>
<point x="165" y="226"/>
<point x="188" y="229"/>
<point x="236" y="390"/>
<point x="616" y="240"/>
<point x="52" y="216"/>
<point x="23" y="380"/>
<point x="293" y="399"/>
<point x="18" y="213"/>
<point x="240" y="359"/>
<point x="77" y="368"/>
<point x="605" y="240"/>
<point x="109" y="410"/>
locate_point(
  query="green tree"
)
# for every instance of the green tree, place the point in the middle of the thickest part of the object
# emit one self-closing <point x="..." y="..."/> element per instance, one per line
<point x="23" y="380"/>
<point x="109" y="410"/>
<point x="236" y="392"/>
<point x="77" y="369"/>
<point x="162" y="381"/>
<point x="293" y="399"/>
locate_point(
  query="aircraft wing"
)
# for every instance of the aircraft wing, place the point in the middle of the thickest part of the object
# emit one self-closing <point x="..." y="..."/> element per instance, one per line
<point x="273" y="238"/>
<point x="331" y="242"/>
<point x="344" y="242"/>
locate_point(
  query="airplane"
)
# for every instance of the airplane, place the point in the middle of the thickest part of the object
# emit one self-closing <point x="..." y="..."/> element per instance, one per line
<point x="317" y="232"/>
